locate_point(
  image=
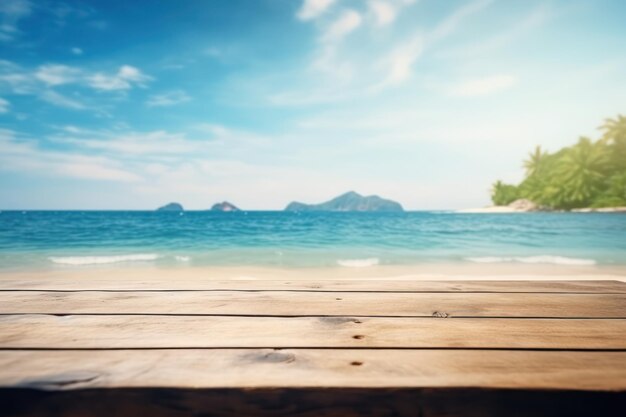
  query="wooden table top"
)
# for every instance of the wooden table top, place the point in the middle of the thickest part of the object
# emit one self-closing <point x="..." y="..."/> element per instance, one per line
<point x="247" y="347"/>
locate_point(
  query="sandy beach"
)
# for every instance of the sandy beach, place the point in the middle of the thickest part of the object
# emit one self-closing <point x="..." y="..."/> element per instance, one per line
<point x="426" y="272"/>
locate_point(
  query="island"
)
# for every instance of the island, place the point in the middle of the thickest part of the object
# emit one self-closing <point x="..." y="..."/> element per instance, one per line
<point x="224" y="206"/>
<point x="350" y="201"/>
<point x="588" y="176"/>
<point x="171" y="207"/>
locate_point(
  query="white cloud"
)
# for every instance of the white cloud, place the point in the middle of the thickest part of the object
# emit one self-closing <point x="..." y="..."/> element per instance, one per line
<point x="483" y="86"/>
<point x="131" y="143"/>
<point x="400" y="62"/>
<point x="342" y="26"/>
<point x="15" y="79"/>
<point x="4" y="105"/>
<point x="311" y="9"/>
<point x="126" y="77"/>
<point x="171" y="98"/>
<point x="54" y="74"/>
<point x="383" y="12"/>
<point x="24" y="155"/>
<point x="398" y="65"/>
<point x="58" y="99"/>
<point x="76" y="51"/>
<point x="11" y="12"/>
<point x="89" y="168"/>
<point x="450" y="24"/>
<point x="503" y="39"/>
<point x="38" y="82"/>
<point x="353" y="72"/>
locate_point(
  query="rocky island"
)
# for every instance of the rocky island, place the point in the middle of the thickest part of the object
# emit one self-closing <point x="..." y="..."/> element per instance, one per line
<point x="171" y="207"/>
<point x="224" y="206"/>
<point x="350" y="201"/>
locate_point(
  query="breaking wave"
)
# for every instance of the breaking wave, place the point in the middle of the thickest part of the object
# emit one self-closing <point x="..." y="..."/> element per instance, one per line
<point x="358" y="263"/>
<point x="97" y="260"/>
<point x="541" y="259"/>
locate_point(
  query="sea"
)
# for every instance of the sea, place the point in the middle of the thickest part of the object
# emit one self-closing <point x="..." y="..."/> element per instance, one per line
<point x="84" y="239"/>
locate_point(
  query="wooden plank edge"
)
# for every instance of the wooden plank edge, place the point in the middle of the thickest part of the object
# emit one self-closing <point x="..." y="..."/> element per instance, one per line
<point x="331" y="402"/>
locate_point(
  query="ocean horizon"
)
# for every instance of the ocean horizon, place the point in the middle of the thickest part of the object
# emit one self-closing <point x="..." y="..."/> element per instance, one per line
<point x="55" y="239"/>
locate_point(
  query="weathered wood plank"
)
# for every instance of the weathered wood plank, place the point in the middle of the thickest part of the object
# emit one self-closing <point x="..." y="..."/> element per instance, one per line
<point x="159" y="284"/>
<point x="315" y="303"/>
<point x="96" y="332"/>
<point x="310" y="402"/>
<point x="297" y="368"/>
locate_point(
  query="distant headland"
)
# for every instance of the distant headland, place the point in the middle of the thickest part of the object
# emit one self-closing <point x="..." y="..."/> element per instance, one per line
<point x="171" y="207"/>
<point x="224" y="206"/>
<point x="350" y="201"/>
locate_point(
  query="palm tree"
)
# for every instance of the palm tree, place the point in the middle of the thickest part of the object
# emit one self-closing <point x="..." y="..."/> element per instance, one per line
<point x="503" y="194"/>
<point x="535" y="161"/>
<point x="615" y="138"/>
<point x="614" y="129"/>
<point x="581" y="172"/>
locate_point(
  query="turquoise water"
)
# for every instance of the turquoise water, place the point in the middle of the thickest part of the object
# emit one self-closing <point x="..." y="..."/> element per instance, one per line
<point x="74" y="239"/>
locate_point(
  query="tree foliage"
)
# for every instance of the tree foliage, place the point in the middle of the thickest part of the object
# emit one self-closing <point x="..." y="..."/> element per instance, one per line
<point x="587" y="174"/>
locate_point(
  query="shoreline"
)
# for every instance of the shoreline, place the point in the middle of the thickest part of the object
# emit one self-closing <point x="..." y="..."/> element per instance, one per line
<point x="424" y="272"/>
<point x="507" y="210"/>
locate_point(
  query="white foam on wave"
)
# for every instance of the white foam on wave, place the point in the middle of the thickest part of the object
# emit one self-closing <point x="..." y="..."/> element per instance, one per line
<point x="358" y="263"/>
<point x="541" y="259"/>
<point x="183" y="258"/>
<point x="97" y="260"/>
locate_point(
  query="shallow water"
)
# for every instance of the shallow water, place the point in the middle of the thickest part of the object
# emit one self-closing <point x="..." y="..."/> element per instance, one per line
<point x="52" y="239"/>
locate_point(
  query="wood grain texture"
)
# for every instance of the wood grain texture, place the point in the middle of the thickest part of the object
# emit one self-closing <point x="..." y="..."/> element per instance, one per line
<point x="102" y="332"/>
<point x="298" y="368"/>
<point x="361" y="348"/>
<point x="159" y="284"/>
<point x="315" y="303"/>
<point x="311" y="402"/>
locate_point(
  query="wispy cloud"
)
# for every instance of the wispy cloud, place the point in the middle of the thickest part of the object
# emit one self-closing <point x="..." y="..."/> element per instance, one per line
<point x="11" y="12"/>
<point x="25" y="155"/>
<point x="171" y="98"/>
<point x="53" y="74"/>
<point x="76" y="51"/>
<point x="4" y="105"/>
<point x="312" y="9"/>
<point x="483" y="86"/>
<point x="22" y="80"/>
<point x="46" y="80"/>
<point x="500" y="40"/>
<point x="399" y="63"/>
<point x="60" y="100"/>
<point x="342" y="26"/>
<point x="383" y="12"/>
<point x="352" y="72"/>
<point x="126" y="77"/>
<point x="145" y="144"/>
<point x="450" y="24"/>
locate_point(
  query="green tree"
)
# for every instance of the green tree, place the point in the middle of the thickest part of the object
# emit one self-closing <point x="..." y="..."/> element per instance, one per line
<point x="535" y="162"/>
<point x="615" y="139"/>
<point x="582" y="172"/>
<point x="615" y="193"/>
<point x="587" y="174"/>
<point x="503" y="194"/>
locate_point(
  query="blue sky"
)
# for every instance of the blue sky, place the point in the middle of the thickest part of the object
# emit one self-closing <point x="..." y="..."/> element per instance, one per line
<point x="128" y="105"/>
